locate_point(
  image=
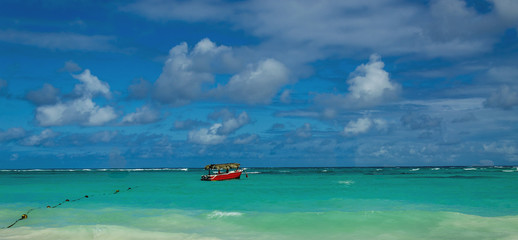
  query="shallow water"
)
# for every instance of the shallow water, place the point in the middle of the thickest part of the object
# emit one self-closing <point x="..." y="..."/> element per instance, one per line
<point x="273" y="203"/>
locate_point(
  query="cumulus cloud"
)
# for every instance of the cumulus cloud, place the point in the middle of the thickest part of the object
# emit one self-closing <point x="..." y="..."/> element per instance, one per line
<point x="47" y="95"/>
<point x="256" y="85"/>
<point x="230" y="125"/>
<point x="142" y="115"/>
<point x="208" y="57"/>
<point x="43" y="139"/>
<point x="363" y="125"/>
<point x="506" y="97"/>
<point x="369" y="85"/>
<point x="81" y="110"/>
<point x="12" y="134"/>
<point x="179" y="83"/>
<point x="207" y="136"/>
<point x="91" y="85"/>
<point x="187" y="75"/>
<point x="218" y="132"/>
<point x="502" y="81"/>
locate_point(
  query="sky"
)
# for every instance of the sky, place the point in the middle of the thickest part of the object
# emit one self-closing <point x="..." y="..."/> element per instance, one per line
<point x="266" y="83"/>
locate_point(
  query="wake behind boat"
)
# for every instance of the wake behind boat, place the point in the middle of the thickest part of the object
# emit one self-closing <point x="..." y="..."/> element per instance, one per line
<point x="224" y="172"/>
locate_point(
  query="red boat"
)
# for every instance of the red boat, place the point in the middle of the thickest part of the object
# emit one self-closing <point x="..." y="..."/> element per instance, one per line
<point x="224" y="172"/>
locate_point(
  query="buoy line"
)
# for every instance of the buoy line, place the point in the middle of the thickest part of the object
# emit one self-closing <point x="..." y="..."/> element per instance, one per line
<point x="26" y="215"/>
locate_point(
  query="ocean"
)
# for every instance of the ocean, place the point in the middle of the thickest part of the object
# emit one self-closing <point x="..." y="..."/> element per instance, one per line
<point x="272" y="203"/>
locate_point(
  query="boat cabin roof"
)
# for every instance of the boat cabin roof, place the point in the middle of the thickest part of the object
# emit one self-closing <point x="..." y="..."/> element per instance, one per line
<point x="222" y="166"/>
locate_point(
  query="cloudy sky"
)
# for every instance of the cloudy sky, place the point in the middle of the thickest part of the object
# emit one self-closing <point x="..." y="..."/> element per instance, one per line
<point x="155" y="83"/>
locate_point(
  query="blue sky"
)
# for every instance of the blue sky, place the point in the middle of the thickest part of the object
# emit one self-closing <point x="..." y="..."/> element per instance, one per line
<point x="152" y="83"/>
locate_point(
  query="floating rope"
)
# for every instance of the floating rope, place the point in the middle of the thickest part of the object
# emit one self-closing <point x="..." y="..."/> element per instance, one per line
<point x="26" y="215"/>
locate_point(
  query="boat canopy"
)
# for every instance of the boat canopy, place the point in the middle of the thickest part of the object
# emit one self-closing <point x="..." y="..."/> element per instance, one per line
<point x="222" y="166"/>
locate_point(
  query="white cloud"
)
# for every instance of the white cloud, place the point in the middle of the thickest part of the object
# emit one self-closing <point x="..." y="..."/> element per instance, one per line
<point x="382" y="152"/>
<point x="44" y="138"/>
<point x="502" y="87"/>
<point x="230" y="125"/>
<point x="91" y="85"/>
<point x="363" y="125"/>
<point x="506" y="148"/>
<point x="218" y="132"/>
<point x="12" y="134"/>
<point x="369" y="85"/>
<point x="82" y="110"/>
<point x="208" y="57"/>
<point x="187" y="76"/>
<point x="507" y="10"/>
<point x="142" y="115"/>
<point x="179" y="84"/>
<point x="381" y="125"/>
<point x="505" y="97"/>
<point x="439" y="28"/>
<point x="285" y="96"/>
<point x="503" y="74"/>
<point x="206" y="136"/>
<point x="186" y="73"/>
<point x="257" y="84"/>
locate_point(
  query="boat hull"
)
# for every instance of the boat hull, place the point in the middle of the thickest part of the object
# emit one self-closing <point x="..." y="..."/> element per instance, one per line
<point x="222" y="176"/>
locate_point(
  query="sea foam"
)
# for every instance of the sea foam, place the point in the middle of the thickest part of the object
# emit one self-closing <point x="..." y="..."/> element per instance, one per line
<point x="219" y="214"/>
<point x="348" y="182"/>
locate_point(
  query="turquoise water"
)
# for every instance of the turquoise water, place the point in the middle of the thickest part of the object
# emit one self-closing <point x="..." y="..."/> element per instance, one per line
<point x="273" y="203"/>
